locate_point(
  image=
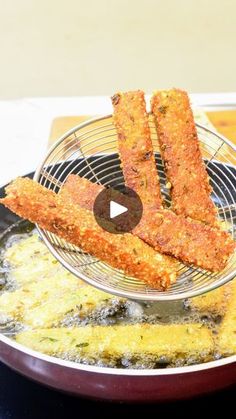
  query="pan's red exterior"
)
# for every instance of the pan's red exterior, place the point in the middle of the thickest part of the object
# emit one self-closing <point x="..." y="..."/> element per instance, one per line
<point x="119" y="385"/>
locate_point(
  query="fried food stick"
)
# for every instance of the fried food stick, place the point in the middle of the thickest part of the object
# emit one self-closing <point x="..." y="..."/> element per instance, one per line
<point x="226" y="339"/>
<point x="77" y="225"/>
<point x="82" y="303"/>
<point x="188" y="240"/>
<point x="136" y="341"/>
<point x="135" y="147"/>
<point x="213" y="303"/>
<point x="181" y="154"/>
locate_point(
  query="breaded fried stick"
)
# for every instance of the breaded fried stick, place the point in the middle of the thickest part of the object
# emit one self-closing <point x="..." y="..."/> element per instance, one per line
<point x="181" y="154"/>
<point x="135" y="341"/>
<point x="135" y="147"/>
<point x="226" y="338"/>
<point x="77" y="225"/>
<point x="188" y="240"/>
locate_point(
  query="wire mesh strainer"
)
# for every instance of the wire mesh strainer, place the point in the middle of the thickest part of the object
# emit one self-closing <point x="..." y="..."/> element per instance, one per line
<point x="90" y="150"/>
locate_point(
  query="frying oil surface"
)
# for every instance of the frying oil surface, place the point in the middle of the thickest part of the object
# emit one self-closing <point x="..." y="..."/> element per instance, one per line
<point x="45" y="307"/>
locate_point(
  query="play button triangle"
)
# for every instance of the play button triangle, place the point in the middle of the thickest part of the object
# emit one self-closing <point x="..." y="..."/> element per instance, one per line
<point x="116" y="209"/>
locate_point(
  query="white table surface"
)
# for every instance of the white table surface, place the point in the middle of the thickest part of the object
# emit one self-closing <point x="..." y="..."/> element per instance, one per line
<point x="25" y="125"/>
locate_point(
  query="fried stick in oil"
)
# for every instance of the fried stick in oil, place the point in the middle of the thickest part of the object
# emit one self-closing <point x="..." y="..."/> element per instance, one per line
<point x="135" y="147"/>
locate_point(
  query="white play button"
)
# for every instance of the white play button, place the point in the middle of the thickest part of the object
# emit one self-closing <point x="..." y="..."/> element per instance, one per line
<point x="116" y="209"/>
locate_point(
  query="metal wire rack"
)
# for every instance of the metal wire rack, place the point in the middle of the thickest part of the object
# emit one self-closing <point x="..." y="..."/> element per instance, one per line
<point x="90" y="150"/>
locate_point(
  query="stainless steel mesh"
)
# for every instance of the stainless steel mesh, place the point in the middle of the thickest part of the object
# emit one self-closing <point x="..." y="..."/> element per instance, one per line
<point x="90" y="150"/>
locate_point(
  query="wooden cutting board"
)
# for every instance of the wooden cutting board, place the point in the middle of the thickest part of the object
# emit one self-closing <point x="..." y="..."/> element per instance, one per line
<point x="224" y="121"/>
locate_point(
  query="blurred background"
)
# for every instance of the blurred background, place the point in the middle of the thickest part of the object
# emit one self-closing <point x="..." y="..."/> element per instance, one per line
<point x="78" y="47"/>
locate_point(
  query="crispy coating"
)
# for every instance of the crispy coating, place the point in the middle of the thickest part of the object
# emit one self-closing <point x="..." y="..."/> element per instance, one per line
<point x="93" y="343"/>
<point x="186" y="239"/>
<point x="135" y="147"/>
<point x="189" y="240"/>
<point x="81" y="191"/>
<point x="180" y="150"/>
<point x="82" y="302"/>
<point x="77" y="225"/>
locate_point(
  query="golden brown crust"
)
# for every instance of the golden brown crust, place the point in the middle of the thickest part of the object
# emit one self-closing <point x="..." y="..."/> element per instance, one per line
<point x="189" y="240"/>
<point x="135" y="147"/>
<point x="185" y="169"/>
<point x="52" y="212"/>
<point x="80" y="191"/>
